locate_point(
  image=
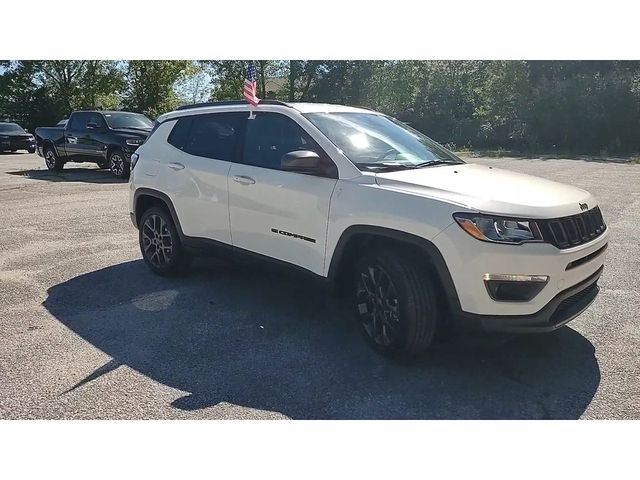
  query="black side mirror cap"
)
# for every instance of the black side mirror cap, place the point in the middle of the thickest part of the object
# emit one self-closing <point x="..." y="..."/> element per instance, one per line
<point x="301" y="161"/>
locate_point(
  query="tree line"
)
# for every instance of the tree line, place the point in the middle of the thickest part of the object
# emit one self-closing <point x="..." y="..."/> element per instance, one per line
<point x="535" y="106"/>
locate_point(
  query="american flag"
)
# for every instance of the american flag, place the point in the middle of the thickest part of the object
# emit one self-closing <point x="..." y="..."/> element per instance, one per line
<point x="250" y="85"/>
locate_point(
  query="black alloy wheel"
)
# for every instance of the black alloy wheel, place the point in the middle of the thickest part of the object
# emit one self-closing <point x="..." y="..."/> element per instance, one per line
<point x="118" y="165"/>
<point x="397" y="308"/>
<point x="160" y="244"/>
<point x="51" y="160"/>
<point x="379" y="307"/>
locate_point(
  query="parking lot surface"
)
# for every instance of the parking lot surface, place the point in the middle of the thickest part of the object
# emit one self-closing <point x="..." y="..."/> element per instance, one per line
<point x="87" y="331"/>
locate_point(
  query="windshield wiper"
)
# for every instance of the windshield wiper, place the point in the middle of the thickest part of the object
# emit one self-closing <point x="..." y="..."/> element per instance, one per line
<point x="386" y="166"/>
<point x="432" y="163"/>
<point x="144" y="129"/>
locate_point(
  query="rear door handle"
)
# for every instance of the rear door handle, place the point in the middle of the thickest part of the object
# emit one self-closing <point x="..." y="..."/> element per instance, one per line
<point x="242" y="180"/>
<point x="175" y="166"/>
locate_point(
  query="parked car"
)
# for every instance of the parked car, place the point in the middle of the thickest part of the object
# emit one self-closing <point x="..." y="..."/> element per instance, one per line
<point x="102" y="137"/>
<point x="420" y="238"/>
<point x="13" y="138"/>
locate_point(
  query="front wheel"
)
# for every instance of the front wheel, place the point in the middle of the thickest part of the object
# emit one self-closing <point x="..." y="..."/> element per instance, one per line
<point x="52" y="161"/>
<point x="31" y="150"/>
<point x="396" y="304"/>
<point x="160" y="244"/>
<point x="118" y="165"/>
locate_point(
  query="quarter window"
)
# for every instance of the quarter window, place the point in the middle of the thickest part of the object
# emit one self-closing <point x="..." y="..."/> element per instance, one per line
<point x="180" y="132"/>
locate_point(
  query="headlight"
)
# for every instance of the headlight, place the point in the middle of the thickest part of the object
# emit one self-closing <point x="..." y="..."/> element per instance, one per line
<point x="498" y="229"/>
<point x="136" y="142"/>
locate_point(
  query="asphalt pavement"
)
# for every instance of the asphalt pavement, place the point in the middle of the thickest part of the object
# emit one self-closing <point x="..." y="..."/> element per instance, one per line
<point x="87" y="331"/>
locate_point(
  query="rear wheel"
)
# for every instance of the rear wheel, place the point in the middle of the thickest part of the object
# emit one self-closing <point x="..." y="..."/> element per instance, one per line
<point x="395" y="302"/>
<point x="160" y="244"/>
<point x="118" y="165"/>
<point x="51" y="160"/>
<point x="31" y="150"/>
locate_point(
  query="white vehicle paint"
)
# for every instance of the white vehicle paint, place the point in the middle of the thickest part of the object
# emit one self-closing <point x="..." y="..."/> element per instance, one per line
<point x="251" y="202"/>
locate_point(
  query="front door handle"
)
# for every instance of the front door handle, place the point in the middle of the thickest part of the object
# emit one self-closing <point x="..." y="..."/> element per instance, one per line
<point x="175" y="166"/>
<point x="242" y="180"/>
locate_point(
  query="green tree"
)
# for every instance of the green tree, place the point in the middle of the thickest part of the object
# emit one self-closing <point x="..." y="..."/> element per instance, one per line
<point x="501" y="101"/>
<point x="150" y="85"/>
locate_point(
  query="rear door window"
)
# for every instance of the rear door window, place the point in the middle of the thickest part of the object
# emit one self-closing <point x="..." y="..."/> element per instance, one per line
<point x="78" y="121"/>
<point x="213" y="135"/>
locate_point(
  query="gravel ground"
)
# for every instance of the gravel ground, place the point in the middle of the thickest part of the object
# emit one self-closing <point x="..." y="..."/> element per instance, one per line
<point x="87" y="331"/>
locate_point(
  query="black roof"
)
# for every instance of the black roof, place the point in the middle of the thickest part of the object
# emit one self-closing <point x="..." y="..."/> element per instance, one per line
<point x="231" y="102"/>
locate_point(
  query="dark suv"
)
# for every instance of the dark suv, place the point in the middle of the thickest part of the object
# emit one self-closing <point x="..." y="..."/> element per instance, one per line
<point x="103" y="137"/>
<point x="13" y="138"/>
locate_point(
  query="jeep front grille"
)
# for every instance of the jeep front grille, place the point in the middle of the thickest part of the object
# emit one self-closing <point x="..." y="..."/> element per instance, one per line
<point x="567" y="232"/>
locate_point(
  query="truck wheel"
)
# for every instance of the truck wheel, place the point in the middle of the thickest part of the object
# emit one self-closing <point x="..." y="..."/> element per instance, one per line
<point x="51" y="160"/>
<point x="160" y="244"/>
<point x="396" y="304"/>
<point x="32" y="150"/>
<point x="118" y="165"/>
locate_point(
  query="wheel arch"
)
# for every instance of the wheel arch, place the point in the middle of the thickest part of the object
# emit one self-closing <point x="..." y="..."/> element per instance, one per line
<point x="356" y="238"/>
<point x="145" y="198"/>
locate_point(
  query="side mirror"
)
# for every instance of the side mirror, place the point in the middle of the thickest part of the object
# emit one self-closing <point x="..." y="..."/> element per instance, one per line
<point x="301" y="161"/>
<point x="26" y="130"/>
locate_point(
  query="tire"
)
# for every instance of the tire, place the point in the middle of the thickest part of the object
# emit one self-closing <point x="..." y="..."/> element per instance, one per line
<point x="31" y="150"/>
<point x="396" y="303"/>
<point x="51" y="160"/>
<point x="118" y="164"/>
<point x="160" y="243"/>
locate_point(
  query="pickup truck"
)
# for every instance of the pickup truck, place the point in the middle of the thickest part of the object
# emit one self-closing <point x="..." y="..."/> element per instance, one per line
<point x="104" y="137"/>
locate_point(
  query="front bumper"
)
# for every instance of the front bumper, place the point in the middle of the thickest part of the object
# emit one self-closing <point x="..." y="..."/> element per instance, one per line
<point x="563" y="308"/>
<point x="468" y="261"/>
<point x="17" y="144"/>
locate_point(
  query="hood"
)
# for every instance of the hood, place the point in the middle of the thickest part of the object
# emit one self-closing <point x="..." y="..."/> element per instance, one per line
<point x="491" y="190"/>
<point x="133" y="131"/>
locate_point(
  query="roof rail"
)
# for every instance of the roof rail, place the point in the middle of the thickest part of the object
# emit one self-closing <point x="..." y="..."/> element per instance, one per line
<point x="231" y="102"/>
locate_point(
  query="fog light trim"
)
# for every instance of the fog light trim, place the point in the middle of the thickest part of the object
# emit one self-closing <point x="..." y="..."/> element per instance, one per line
<point x="514" y="288"/>
<point x="508" y="277"/>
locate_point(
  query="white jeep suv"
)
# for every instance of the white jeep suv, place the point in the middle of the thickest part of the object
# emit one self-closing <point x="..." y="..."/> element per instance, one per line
<point x="422" y="239"/>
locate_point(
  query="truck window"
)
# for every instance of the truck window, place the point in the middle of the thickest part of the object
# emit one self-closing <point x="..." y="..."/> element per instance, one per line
<point x="78" y="121"/>
<point x="95" y="118"/>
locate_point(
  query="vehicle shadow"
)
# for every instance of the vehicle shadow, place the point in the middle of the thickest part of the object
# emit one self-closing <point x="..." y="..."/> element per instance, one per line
<point x="77" y="174"/>
<point x="257" y="338"/>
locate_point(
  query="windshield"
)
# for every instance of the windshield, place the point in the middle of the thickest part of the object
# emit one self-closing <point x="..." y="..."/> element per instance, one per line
<point x="128" y="120"/>
<point x="376" y="142"/>
<point x="11" y="128"/>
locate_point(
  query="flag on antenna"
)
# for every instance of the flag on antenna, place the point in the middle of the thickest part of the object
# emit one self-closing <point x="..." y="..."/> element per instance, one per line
<point x="250" y="85"/>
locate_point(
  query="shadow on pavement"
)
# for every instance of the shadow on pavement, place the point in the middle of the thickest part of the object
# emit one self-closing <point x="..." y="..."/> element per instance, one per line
<point x="259" y="339"/>
<point x="86" y="175"/>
